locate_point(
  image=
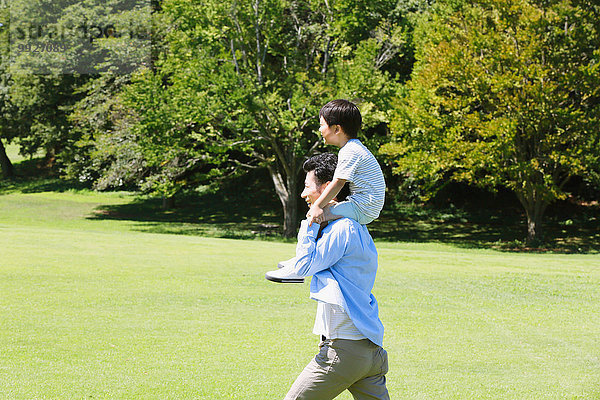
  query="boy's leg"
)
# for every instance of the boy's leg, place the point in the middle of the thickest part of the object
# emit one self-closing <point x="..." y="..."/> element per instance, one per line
<point x="339" y="210"/>
<point x="349" y="210"/>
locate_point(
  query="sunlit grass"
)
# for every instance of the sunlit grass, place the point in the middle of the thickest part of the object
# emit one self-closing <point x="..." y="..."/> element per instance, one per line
<point x="98" y="308"/>
<point x="12" y="151"/>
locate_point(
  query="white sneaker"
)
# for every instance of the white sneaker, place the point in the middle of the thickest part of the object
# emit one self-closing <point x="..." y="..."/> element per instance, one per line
<point x="287" y="263"/>
<point x="284" y="275"/>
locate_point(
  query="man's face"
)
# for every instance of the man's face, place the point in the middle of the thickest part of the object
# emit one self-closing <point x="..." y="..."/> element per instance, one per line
<point x="312" y="189"/>
<point x="328" y="132"/>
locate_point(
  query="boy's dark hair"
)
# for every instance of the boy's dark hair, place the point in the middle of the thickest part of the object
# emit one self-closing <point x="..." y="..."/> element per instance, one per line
<point x="343" y="113"/>
<point x="324" y="167"/>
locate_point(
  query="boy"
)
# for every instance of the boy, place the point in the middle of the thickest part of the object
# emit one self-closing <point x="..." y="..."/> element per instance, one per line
<point x="340" y="121"/>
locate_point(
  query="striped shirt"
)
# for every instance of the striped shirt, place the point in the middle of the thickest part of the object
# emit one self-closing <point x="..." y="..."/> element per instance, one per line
<point x="334" y="323"/>
<point x="343" y="266"/>
<point x="357" y="165"/>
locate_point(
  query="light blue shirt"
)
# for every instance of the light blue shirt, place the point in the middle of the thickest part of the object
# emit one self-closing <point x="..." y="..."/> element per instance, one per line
<point x="343" y="263"/>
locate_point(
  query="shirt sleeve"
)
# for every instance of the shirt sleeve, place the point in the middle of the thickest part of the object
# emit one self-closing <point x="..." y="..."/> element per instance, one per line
<point x="348" y="161"/>
<point x="313" y="256"/>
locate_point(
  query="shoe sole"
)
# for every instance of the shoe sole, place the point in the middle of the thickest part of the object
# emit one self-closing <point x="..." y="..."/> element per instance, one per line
<point x="281" y="280"/>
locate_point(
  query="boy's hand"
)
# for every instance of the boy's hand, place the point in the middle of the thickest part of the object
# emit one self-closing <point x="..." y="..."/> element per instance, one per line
<point x="315" y="214"/>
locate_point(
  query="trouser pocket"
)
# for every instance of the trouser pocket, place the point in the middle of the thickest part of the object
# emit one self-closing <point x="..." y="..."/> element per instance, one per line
<point x="383" y="357"/>
<point x="326" y="358"/>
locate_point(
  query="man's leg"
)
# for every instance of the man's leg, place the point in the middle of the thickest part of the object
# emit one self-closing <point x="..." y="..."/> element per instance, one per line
<point x="339" y="365"/>
<point x="318" y="381"/>
<point x="373" y="387"/>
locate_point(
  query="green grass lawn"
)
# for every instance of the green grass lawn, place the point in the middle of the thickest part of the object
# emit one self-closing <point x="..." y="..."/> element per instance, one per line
<point x="108" y="308"/>
<point x="12" y="151"/>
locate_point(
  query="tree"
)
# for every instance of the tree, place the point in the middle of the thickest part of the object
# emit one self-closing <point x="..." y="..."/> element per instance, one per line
<point x="504" y="93"/>
<point x="64" y="56"/>
<point x="250" y="76"/>
<point x="5" y="106"/>
<point x="103" y="151"/>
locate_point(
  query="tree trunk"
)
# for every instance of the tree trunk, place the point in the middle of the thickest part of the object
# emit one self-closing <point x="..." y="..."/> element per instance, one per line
<point x="288" y="195"/>
<point x="168" y="202"/>
<point x="8" y="170"/>
<point x="290" y="209"/>
<point x="534" y="224"/>
<point x="534" y="208"/>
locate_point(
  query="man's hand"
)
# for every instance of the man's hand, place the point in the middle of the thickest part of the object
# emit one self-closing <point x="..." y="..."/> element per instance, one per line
<point x="315" y="214"/>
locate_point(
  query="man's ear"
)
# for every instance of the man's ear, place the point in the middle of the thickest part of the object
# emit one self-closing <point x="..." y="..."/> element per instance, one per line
<point x="324" y="186"/>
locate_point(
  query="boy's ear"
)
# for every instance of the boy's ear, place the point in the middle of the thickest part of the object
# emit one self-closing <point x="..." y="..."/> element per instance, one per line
<point x="340" y="131"/>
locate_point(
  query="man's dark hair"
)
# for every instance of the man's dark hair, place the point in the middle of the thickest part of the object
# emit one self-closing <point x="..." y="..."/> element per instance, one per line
<point x="343" y="113"/>
<point x="324" y="167"/>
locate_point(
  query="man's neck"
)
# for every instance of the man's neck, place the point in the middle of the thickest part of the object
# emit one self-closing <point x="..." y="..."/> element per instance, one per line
<point x="321" y="227"/>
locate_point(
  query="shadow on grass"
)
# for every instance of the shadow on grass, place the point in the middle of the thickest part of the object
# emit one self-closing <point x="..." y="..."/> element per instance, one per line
<point x="419" y="223"/>
<point x="238" y="217"/>
<point x="32" y="177"/>
<point x="567" y="228"/>
<point x="232" y="216"/>
<point x="238" y="212"/>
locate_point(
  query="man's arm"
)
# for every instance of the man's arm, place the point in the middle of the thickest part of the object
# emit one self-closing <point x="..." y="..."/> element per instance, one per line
<point x="314" y="256"/>
<point x="332" y="190"/>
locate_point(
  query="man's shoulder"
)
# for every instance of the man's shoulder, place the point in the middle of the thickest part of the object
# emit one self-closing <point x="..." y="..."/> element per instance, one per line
<point x="342" y="223"/>
<point x="347" y="226"/>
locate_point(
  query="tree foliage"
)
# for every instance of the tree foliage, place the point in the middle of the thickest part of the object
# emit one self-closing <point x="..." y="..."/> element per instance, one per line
<point x="240" y="85"/>
<point x="5" y="107"/>
<point x="504" y="93"/>
<point x="56" y="65"/>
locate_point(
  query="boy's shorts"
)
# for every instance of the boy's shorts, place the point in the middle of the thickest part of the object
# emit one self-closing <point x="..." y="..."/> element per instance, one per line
<point x="349" y="209"/>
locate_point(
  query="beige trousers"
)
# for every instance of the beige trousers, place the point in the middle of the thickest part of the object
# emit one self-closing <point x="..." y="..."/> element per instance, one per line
<point x="357" y="365"/>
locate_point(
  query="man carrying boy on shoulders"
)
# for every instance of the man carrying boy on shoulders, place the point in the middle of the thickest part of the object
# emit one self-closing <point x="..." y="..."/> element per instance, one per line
<point x="340" y="120"/>
<point x="341" y="257"/>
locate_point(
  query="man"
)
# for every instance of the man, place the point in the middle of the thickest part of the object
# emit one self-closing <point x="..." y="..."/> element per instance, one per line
<point x="342" y="260"/>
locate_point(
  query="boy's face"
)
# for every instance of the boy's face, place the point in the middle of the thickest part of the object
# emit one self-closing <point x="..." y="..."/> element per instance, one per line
<point x="329" y="133"/>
